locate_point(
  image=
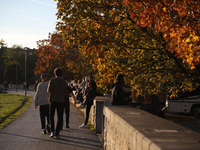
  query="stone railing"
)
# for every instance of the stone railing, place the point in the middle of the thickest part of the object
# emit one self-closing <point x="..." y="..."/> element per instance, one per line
<point x="96" y="112"/>
<point x="129" y="128"/>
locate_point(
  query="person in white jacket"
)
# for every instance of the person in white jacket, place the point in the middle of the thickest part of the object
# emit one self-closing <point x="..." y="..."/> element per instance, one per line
<point x="42" y="100"/>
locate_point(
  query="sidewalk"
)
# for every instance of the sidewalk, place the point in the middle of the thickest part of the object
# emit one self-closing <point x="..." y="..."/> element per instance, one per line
<point x="25" y="132"/>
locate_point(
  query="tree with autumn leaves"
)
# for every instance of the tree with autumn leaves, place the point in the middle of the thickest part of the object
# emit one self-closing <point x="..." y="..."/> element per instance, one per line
<point x="154" y="43"/>
<point x="53" y="52"/>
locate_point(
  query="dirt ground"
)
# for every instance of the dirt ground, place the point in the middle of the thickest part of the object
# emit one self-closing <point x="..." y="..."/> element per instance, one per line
<point x="185" y="120"/>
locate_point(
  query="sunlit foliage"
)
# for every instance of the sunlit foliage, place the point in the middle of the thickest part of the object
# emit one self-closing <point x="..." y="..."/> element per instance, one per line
<point x="54" y="53"/>
<point x="154" y="43"/>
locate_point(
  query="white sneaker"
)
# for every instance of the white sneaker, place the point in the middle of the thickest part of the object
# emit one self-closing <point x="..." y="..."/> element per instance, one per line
<point x="82" y="126"/>
<point x="52" y="135"/>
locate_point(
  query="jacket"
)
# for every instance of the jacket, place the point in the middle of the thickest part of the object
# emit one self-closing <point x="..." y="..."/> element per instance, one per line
<point x="118" y="94"/>
<point x="90" y="95"/>
<point x="58" y="89"/>
<point x="41" y="95"/>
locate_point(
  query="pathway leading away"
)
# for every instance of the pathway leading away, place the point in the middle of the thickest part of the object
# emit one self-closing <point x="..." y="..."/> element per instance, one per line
<point x="25" y="133"/>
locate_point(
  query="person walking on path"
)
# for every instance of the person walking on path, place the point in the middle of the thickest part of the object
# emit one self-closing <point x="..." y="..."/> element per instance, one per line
<point x="41" y="100"/>
<point x="67" y="106"/>
<point x="57" y="88"/>
<point x="25" y="134"/>
<point x="89" y="96"/>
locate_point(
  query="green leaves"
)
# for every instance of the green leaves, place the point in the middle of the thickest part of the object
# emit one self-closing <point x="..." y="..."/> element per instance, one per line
<point x="129" y="37"/>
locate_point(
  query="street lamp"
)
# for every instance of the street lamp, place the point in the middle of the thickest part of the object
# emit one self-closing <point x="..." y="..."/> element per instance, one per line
<point x="25" y="48"/>
<point x="16" y="75"/>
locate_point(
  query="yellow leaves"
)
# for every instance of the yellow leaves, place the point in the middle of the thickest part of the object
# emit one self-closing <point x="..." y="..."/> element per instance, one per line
<point x="189" y="51"/>
<point x="165" y="9"/>
<point x="192" y="67"/>
<point x="192" y="38"/>
<point x="165" y="35"/>
<point x="187" y="40"/>
<point x="195" y="38"/>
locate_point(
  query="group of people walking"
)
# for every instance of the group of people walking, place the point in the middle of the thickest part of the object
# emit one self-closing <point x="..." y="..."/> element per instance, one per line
<point x="53" y="96"/>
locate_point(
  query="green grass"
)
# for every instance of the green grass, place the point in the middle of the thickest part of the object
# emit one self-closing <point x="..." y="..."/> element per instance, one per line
<point x="91" y="126"/>
<point x="12" y="106"/>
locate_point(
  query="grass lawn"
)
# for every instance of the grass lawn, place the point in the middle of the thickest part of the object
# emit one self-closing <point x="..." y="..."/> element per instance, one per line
<point x="12" y="106"/>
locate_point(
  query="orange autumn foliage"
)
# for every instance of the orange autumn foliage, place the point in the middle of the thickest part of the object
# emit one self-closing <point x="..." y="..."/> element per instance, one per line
<point x="177" y="20"/>
<point x="53" y="52"/>
<point x="154" y="43"/>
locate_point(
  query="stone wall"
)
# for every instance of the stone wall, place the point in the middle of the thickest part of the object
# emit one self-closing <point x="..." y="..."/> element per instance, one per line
<point x="113" y="139"/>
<point x="96" y="112"/>
<point x="128" y="128"/>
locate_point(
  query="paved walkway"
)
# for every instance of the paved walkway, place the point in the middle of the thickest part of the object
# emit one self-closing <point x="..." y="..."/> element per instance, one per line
<point x="25" y="133"/>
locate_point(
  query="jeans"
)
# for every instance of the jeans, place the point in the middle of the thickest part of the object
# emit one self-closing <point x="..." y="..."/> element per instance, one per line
<point x="59" y="106"/>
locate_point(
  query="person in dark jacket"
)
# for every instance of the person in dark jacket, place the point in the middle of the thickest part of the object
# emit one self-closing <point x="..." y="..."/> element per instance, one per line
<point x="118" y="94"/>
<point x="57" y="88"/>
<point x="94" y="83"/>
<point x="89" y="96"/>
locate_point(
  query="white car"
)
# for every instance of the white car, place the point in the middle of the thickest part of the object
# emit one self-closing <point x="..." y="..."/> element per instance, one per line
<point x="185" y="103"/>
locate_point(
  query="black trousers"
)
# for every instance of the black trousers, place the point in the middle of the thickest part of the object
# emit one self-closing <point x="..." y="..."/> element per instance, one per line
<point x="44" y="112"/>
<point x="88" y="107"/>
<point x="59" y="106"/>
<point x="67" y="111"/>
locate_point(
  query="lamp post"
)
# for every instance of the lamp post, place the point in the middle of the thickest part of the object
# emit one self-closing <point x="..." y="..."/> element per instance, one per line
<point x="16" y="75"/>
<point x="26" y="48"/>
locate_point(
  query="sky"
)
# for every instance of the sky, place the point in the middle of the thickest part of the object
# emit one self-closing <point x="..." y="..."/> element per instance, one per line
<point x="23" y="22"/>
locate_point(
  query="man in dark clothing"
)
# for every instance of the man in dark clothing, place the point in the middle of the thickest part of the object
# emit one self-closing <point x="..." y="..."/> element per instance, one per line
<point x="57" y="88"/>
<point x="118" y="94"/>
